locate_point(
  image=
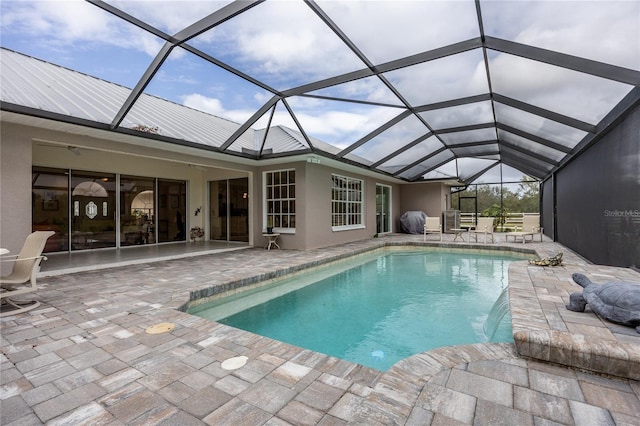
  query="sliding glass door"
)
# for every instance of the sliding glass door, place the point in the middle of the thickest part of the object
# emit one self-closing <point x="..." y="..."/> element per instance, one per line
<point x="137" y="210"/>
<point x="229" y="210"/>
<point x="81" y="208"/>
<point x="50" y="206"/>
<point x="93" y="210"/>
<point x="172" y="210"/>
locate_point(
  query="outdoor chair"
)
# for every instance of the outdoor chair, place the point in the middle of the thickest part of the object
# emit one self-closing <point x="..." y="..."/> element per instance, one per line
<point x="22" y="279"/>
<point x="530" y="227"/>
<point x="484" y="226"/>
<point x="432" y="226"/>
<point x="531" y="223"/>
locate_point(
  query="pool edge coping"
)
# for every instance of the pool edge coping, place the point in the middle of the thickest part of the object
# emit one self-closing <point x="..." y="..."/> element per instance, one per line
<point x="536" y="340"/>
<point x="542" y="327"/>
<point x="230" y="286"/>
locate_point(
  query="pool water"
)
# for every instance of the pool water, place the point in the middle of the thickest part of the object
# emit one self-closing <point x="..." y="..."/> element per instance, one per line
<point x="387" y="308"/>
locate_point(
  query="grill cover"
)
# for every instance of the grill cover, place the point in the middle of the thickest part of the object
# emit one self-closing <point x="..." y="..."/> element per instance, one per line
<point x="412" y="222"/>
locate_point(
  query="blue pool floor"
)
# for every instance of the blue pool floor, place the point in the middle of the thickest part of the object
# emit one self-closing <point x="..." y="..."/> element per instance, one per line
<point x="382" y="307"/>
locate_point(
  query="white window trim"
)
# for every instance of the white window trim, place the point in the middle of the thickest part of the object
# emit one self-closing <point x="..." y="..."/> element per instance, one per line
<point x="279" y="230"/>
<point x="347" y="227"/>
<point x="390" y="207"/>
<point x="362" y="210"/>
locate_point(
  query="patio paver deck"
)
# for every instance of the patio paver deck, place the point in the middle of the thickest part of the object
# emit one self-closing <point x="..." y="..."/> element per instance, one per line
<point x="84" y="357"/>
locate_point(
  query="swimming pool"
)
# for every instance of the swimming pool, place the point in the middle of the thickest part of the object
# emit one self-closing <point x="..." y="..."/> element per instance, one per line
<point x="380" y="307"/>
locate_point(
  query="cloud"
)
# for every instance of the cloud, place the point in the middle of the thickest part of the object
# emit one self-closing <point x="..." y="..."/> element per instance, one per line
<point x="387" y="30"/>
<point x="605" y="31"/>
<point x="283" y="43"/>
<point x="572" y="93"/>
<point x="170" y="78"/>
<point x="215" y="107"/>
<point x="462" y="115"/>
<point x="72" y="24"/>
<point x="340" y="127"/>
<point x="169" y="16"/>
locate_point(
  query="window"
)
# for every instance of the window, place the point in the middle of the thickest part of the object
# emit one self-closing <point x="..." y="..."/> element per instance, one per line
<point x="280" y="199"/>
<point x="346" y="203"/>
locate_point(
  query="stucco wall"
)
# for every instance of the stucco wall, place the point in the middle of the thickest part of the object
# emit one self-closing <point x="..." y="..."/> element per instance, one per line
<point x="22" y="147"/>
<point x="431" y="198"/>
<point x="25" y="146"/>
<point x="313" y="207"/>
<point x="15" y="188"/>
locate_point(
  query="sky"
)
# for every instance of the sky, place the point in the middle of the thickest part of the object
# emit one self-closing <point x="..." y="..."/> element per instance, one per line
<point x="284" y="44"/>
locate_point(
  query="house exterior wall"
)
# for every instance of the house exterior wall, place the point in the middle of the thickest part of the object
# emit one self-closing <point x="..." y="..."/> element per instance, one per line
<point x="23" y="147"/>
<point x="313" y="207"/>
<point x="15" y="188"/>
<point x="431" y="198"/>
<point x="598" y="198"/>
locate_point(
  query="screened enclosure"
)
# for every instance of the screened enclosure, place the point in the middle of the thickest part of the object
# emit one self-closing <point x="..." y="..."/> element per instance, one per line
<point x="444" y="91"/>
<point x="418" y="90"/>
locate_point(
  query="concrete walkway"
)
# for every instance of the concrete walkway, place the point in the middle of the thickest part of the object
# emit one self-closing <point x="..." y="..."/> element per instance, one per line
<point x="84" y="356"/>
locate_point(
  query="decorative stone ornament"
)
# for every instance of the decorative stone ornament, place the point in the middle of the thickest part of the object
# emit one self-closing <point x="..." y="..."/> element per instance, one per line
<point x="616" y="301"/>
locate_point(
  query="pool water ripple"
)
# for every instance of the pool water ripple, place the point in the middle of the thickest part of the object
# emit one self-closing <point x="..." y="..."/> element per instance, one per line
<point x="387" y="307"/>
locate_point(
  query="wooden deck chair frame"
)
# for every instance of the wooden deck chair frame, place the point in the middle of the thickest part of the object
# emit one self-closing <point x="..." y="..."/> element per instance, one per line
<point x="432" y="226"/>
<point x="22" y="279"/>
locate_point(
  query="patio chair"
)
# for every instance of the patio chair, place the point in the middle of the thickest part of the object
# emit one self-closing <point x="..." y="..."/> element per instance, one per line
<point x="22" y="279"/>
<point x="485" y="226"/>
<point x="531" y="223"/>
<point x="530" y="227"/>
<point x="432" y="226"/>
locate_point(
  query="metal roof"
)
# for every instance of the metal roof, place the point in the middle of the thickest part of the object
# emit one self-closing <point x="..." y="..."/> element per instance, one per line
<point x="422" y="90"/>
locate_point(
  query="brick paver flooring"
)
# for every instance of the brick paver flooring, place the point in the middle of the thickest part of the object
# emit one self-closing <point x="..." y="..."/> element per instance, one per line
<point x="84" y="357"/>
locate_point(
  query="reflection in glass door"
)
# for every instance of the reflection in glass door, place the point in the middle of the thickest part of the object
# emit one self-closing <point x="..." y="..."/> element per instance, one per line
<point x="137" y="210"/>
<point x="172" y="210"/>
<point x="383" y="209"/>
<point x="218" y="210"/>
<point x="239" y="209"/>
<point x="50" y="206"/>
<point x="93" y="215"/>
<point x="229" y="210"/>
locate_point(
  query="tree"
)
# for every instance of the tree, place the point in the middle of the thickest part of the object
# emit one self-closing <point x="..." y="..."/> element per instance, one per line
<point x="521" y="197"/>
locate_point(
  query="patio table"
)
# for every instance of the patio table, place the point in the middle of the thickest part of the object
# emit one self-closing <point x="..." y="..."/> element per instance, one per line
<point x="458" y="233"/>
<point x="271" y="240"/>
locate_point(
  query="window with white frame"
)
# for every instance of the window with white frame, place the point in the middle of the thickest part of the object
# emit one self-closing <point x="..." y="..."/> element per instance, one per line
<point x="280" y="199"/>
<point x="346" y="202"/>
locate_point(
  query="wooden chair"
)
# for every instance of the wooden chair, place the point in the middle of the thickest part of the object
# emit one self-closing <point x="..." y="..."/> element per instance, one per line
<point x="22" y="279"/>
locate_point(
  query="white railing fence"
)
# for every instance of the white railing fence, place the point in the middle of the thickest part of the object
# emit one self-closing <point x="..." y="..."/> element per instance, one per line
<point x="512" y="220"/>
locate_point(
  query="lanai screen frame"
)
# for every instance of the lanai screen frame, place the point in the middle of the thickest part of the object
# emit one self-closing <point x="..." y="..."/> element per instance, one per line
<point x="529" y="153"/>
